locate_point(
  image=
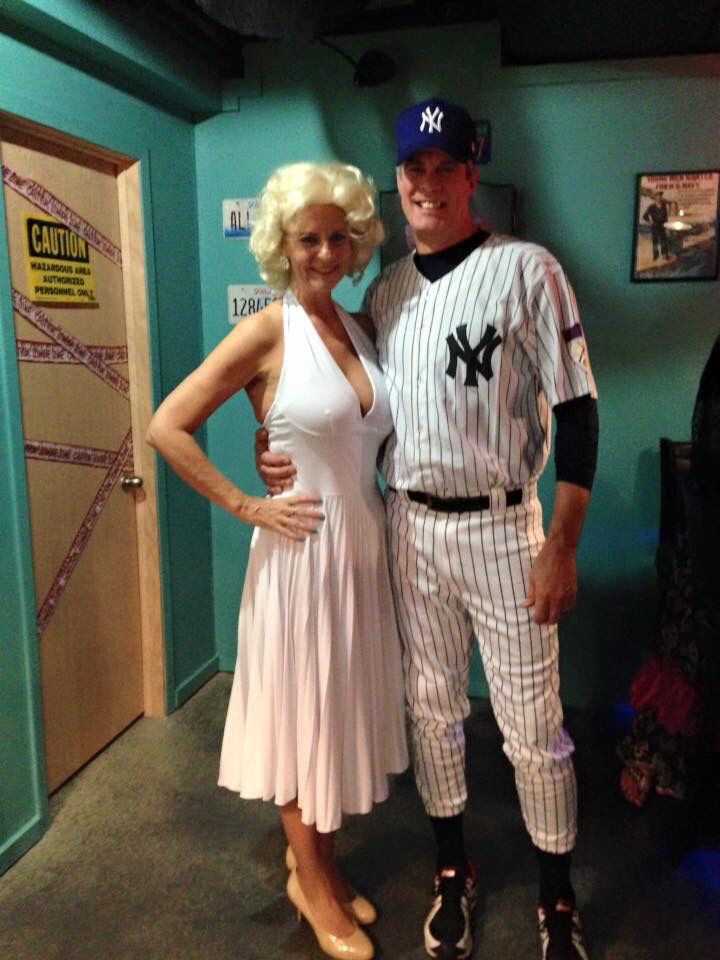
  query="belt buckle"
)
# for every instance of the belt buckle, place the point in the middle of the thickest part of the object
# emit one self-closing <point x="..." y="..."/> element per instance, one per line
<point x="513" y="497"/>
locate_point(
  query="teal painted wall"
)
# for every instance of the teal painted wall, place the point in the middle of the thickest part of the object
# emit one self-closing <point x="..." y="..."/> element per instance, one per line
<point x="128" y="45"/>
<point x="23" y="801"/>
<point x="45" y="90"/>
<point x="571" y="138"/>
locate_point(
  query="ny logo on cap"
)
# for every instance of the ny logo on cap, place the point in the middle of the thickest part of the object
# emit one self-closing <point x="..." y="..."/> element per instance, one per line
<point x="433" y="120"/>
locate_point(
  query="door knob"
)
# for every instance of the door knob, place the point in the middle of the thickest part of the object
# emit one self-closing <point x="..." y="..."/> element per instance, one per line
<point x="131" y="483"/>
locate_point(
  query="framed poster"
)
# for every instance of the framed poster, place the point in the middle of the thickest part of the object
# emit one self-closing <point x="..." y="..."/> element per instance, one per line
<point x="482" y="130"/>
<point x="398" y="236"/>
<point x="493" y="207"/>
<point x="675" y="228"/>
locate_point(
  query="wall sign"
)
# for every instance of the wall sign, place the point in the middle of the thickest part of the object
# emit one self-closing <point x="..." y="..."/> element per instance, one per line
<point x="246" y="298"/>
<point x="238" y="216"/>
<point x="676" y="224"/>
<point x="57" y="263"/>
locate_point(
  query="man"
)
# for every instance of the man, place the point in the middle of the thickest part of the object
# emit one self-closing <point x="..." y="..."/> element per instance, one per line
<point x="657" y="215"/>
<point x="478" y="336"/>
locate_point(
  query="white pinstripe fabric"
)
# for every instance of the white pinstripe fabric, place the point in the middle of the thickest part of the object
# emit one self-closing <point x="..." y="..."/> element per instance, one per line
<point x="478" y="425"/>
<point x="452" y="439"/>
<point x="458" y="574"/>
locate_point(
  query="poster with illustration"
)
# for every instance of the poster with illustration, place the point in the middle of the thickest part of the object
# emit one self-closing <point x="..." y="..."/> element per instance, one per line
<point x="675" y="235"/>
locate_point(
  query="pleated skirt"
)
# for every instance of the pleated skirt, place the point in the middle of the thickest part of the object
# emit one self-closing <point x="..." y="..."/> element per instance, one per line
<point x="316" y="711"/>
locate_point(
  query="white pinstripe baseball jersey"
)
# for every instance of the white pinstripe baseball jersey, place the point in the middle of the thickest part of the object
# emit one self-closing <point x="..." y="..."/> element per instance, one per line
<point x="474" y="363"/>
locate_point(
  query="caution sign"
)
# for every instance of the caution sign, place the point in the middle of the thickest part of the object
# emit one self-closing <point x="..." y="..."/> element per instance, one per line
<point x="57" y="261"/>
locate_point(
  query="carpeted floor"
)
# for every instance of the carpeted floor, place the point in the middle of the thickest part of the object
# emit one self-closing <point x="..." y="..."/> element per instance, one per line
<point x="146" y="859"/>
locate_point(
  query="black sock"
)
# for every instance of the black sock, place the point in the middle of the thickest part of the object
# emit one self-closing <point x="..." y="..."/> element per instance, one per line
<point x="554" y="878"/>
<point x="450" y="842"/>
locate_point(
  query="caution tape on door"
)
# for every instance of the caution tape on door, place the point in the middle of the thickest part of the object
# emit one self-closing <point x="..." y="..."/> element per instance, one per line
<point x="67" y="348"/>
<point x="50" y="204"/>
<point x="38" y="351"/>
<point x="121" y="459"/>
<point x="69" y="453"/>
<point x="83" y="354"/>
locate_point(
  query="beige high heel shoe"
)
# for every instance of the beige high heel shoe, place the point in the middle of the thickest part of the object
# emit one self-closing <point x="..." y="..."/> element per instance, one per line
<point x="360" y="907"/>
<point x="356" y="946"/>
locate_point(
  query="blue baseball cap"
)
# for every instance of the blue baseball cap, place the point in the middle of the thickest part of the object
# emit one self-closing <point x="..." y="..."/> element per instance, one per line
<point x="436" y="124"/>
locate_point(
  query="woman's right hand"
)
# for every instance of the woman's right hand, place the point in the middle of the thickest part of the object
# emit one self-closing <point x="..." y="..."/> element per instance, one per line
<point x="293" y="517"/>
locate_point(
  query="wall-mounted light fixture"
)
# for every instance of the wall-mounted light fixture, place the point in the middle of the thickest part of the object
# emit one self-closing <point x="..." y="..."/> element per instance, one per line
<point x="373" y="68"/>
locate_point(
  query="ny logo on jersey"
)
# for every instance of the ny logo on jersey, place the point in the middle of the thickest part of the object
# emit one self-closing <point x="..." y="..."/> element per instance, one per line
<point x="433" y="120"/>
<point x="469" y="355"/>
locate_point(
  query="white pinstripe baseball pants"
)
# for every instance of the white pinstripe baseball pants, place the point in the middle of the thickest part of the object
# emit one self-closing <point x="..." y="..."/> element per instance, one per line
<point x="455" y="574"/>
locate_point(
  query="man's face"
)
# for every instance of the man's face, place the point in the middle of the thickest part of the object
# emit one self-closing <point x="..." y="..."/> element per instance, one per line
<point x="435" y="191"/>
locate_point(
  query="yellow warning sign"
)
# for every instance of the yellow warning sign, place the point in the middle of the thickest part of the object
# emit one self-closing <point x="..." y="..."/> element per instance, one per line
<point x="57" y="261"/>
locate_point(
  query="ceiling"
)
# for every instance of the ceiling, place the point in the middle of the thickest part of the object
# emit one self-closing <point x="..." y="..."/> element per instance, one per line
<point x="532" y="31"/>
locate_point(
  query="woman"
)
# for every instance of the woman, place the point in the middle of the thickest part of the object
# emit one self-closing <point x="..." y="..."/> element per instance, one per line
<point x="675" y="693"/>
<point x="315" y="718"/>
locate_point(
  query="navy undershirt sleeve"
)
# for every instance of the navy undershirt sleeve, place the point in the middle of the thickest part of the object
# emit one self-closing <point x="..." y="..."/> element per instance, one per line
<point x="576" y="441"/>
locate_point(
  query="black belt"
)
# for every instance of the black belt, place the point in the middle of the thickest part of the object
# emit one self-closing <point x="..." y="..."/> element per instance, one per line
<point x="461" y="504"/>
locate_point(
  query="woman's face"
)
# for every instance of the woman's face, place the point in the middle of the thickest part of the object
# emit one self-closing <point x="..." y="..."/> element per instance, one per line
<point x="317" y="244"/>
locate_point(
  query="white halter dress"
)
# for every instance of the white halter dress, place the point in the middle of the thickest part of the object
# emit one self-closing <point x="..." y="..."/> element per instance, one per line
<point x="316" y="709"/>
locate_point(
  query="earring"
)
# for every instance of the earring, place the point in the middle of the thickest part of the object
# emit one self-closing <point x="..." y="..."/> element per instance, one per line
<point x="284" y="262"/>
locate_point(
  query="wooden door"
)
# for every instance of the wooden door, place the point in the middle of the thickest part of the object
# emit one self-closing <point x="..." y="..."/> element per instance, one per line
<point x="66" y="265"/>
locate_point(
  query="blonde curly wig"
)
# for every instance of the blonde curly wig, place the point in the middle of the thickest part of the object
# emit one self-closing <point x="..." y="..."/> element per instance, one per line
<point x="298" y="185"/>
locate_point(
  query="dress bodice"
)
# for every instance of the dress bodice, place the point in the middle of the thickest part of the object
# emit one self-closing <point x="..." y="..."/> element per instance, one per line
<point x="316" y="418"/>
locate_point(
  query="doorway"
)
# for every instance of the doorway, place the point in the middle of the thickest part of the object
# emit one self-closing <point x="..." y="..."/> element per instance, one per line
<point x="75" y="242"/>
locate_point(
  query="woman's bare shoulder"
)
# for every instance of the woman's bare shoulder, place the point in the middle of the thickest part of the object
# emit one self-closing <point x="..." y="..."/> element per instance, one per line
<point x="264" y="328"/>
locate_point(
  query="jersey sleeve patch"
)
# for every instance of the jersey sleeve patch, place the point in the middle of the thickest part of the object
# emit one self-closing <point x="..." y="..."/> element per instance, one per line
<point x="575" y="340"/>
<point x="579" y="353"/>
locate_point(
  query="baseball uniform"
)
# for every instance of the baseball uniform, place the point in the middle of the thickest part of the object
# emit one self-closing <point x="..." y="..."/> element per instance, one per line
<point x="474" y="362"/>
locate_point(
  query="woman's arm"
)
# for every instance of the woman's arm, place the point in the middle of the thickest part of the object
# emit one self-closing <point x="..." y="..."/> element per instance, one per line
<point x="248" y="357"/>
